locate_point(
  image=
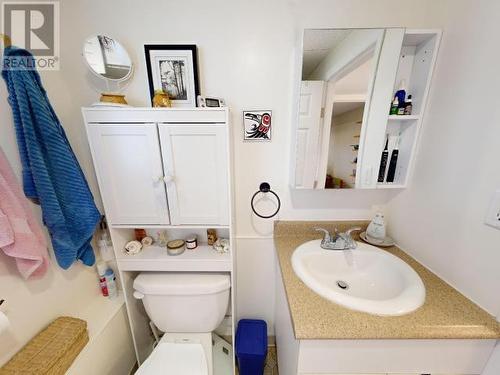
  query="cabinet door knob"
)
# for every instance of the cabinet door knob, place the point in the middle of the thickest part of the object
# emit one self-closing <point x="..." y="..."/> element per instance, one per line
<point x="158" y="179"/>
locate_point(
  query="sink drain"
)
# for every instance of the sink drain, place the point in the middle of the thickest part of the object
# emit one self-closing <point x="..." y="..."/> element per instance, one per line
<point x="342" y="284"/>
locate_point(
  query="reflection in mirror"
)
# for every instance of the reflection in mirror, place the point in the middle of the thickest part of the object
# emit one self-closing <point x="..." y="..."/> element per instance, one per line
<point x="107" y="58"/>
<point x="338" y="72"/>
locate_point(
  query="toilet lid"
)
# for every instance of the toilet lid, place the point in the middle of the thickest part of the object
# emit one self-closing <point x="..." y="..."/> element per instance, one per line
<point x="175" y="359"/>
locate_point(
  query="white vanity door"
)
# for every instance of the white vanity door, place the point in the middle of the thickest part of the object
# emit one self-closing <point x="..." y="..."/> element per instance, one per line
<point x="196" y="169"/>
<point x="128" y="165"/>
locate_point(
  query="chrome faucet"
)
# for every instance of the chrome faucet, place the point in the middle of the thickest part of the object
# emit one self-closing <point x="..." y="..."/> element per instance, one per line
<point x="338" y="241"/>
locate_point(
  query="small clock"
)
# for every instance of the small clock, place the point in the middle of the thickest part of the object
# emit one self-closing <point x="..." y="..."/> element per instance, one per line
<point x="210" y="101"/>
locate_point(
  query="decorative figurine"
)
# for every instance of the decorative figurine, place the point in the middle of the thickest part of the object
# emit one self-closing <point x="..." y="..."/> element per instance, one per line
<point x="211" y="236"/>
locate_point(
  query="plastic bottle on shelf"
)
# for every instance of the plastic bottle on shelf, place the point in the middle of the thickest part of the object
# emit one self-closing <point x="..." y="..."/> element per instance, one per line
<point x="401" y="93"/>
<point x="101" y="271"/>
<point x="104" y="244"/>
<point x="111" y="283"/>
<point x="105" y="250"/>
<point x="408" y="105"/>
<point x="394" y="106"/>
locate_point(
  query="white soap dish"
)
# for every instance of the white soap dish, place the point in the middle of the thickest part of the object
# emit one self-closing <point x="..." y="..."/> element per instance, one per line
<point x="386" y="242"/>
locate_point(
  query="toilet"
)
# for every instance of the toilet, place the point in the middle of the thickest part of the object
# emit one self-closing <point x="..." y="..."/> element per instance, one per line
<point x="187" y="307"/>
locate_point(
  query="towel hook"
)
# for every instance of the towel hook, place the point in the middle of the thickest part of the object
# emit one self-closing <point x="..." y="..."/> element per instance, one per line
<point x="265" y="188"/>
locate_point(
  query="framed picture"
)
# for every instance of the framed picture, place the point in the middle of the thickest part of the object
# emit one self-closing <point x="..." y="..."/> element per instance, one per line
<point x="257" y="125"/>
<point x="173" y="69"/>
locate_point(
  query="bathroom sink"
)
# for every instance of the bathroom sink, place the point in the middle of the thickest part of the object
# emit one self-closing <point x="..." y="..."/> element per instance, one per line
<point x="366" y="279"/>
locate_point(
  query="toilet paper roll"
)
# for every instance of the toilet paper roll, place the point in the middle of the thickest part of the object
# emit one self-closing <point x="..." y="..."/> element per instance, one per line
<point x="4" y="323"/>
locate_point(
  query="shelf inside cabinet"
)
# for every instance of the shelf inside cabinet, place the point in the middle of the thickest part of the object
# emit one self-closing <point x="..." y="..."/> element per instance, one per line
<point x="386" y="185"/>
<point x="154" y="258"/>
<point x="403" y="117"/>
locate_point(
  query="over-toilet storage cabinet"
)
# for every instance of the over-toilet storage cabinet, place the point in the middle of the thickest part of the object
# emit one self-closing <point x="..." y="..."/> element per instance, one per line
<point x="141" y="167"/>
<point x="163" y="169"/>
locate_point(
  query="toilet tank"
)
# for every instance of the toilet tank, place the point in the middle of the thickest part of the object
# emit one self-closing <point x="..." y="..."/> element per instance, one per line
<point x="184" y="302"/>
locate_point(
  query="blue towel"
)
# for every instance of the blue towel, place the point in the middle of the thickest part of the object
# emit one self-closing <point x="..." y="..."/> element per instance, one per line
<point x="51" y="173"/>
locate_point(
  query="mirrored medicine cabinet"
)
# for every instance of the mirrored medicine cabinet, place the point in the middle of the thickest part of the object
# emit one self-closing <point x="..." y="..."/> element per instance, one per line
<point x="351" y="133"/>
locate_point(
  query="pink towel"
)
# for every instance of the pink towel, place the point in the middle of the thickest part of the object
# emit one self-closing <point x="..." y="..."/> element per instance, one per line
<point x="21" y="236"/>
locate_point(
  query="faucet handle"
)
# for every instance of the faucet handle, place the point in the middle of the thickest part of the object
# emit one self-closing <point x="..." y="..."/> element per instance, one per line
<point x="353" y="229"/>
<point x="326" y="236"/>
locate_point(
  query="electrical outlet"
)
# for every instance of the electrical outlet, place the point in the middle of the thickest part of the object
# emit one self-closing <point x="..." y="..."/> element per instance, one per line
<point x="493" y="216"/>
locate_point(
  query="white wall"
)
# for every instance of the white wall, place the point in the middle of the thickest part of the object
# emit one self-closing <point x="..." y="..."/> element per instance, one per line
<point x="246" y="55"/>
<point x="439" y="219"/>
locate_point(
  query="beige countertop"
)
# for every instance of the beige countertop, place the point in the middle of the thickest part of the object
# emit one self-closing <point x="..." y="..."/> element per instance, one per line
<point x="446" y="314"/>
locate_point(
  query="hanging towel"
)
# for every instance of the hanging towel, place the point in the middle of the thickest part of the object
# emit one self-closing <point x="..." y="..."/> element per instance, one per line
<point x="51" y="173"/>
<point x="21" y="236"/>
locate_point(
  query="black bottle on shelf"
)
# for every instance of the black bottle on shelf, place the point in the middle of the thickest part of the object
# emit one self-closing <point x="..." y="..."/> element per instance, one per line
<point x="393" y="163"/>
<point x="383" y="161"/>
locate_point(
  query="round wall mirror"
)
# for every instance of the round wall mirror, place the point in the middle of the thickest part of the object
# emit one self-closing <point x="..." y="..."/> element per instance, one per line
<point x="107" y="58"/>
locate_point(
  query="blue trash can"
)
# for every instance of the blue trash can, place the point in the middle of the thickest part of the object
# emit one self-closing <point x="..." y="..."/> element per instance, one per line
<point x="251" y="346"/>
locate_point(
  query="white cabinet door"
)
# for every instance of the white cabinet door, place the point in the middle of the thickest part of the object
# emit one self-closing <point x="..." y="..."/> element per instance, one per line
<point x="128" y="165"/>
<point x="195" y="162"/>
<point x="370" y="152"/>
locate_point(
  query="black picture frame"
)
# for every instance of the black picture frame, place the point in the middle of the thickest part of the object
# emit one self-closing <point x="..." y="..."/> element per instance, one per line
<point x="191" y="48"/>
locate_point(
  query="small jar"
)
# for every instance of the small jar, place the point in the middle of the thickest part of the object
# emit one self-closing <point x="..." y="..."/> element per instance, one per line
<point x="176" y="247"/>
<point x="140" y="234"/>
<point x="191" y="243"/>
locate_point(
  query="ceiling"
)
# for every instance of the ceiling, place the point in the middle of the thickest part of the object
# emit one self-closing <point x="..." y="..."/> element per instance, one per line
<point x="357" y="81"/>
<point x="317" y="44"/>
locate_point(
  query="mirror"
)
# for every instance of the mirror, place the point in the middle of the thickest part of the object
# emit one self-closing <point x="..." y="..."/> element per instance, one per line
<point x="338" y="72"/>
<point x="107" y="58"/>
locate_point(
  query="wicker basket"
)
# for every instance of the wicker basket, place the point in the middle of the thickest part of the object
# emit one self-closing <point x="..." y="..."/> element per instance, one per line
<point x="52" y="351"/>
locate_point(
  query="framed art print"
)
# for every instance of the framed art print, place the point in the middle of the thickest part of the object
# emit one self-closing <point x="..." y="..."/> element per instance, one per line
<point x="257" y="125"/>
<point x="173" y="68"/>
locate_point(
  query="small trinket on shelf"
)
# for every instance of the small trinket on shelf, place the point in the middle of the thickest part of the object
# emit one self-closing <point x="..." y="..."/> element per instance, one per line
<point x="133" y="247"/>
<point x="147" y="241"/>
<point x="161" y="238"/>
<point x="221" y="245"/>
<point x="107" y="97"/>
<point x="176" y="247"/>
<point x="161" y="99"/>
<point x="211" y="236"/>
<point x="140" y="234"/>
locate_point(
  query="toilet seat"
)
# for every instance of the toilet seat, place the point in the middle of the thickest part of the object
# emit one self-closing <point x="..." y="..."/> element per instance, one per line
<point x="175" y="358"/>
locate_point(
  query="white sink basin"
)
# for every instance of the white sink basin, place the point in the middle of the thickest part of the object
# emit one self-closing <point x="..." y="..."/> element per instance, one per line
<point x="366" y="279"/>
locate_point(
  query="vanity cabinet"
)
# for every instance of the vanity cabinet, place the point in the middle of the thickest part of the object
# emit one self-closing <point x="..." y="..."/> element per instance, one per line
<point x="128" y="164"/>
<point x="142" y="165"/>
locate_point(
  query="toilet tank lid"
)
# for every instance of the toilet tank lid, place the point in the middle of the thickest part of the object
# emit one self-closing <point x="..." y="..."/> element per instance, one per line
<point x="162" y="283"/>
